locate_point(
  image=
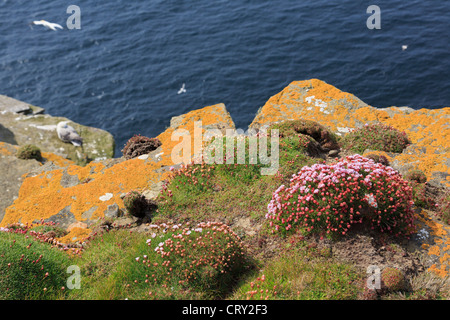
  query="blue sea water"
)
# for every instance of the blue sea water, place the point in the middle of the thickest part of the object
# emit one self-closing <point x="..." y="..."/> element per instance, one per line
<point x="122" y="70"/>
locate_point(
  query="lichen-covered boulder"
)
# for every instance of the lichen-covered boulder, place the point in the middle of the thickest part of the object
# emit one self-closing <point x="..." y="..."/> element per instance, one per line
<point x="21" y="124"/>
<point x="71" y="194"/>
<point x="428" y="129"/>
<point x="13" y="170"/>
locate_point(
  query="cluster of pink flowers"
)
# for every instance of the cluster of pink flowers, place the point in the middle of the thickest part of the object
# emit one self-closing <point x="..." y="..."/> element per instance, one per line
<point x="189" y="254"/>
<point x="258" y="292"/>
<point x="330" y="198"/>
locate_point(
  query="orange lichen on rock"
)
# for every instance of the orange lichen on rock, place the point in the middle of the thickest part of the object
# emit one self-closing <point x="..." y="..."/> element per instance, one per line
<point x="369" y="114"/>
<point x="43" y="196"/>
<point x="57" y="160"/>
<point x="4" y="150"/>
<point x="428" y="129"/>
<point x="75" y="234"/>
<point x="211" y="117"/>
<point x="434" y="250"/>
<point x="441" y="271"/>
<point x="443" y="259"/>
<point x="441" y="238"/>
<point x="312" y="100"/>
<point x="96" y="186"/>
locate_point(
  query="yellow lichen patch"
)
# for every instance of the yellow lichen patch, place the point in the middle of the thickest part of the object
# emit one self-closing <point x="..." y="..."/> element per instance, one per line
<point x="441" y="271"/>
<point x="44" y="195"/>
<point x="370" y="114"/>
<point x="443" y="259"/>
<point x="4" y="150"/>
<point x="312" y="100"/>
<point x="75" y="234"/>
<point x="441" y="238"/>
<point x="318" y="101"/>
<point x="57" y="160"/>
<point x="87" y="172"/>
<point x="434" y="250"/>
<point x="209" y="116"/>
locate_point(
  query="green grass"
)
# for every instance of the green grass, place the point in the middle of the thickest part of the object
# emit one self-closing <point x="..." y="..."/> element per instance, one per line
<point x="226" y="191"/>
<point x="104" y="265"/>
<point x="302" y="273"/>
<point x="376" y="136"/>
<point x="123" y="265"/>
<point x="30" y="269"/>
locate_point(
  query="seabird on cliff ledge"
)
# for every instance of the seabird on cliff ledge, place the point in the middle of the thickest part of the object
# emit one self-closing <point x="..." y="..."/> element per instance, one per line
<point x="68" y="134"/>
<point x="48" y="25"/>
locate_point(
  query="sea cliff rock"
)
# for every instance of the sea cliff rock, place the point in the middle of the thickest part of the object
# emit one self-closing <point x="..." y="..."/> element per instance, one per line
<point x="74" y="193"/>
<point x="428" y="129"/>
<point x="21" y="123"/>
<point x="14" y="170"/>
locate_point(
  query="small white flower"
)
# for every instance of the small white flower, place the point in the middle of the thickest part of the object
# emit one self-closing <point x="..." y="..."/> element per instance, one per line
<point x="137" y="259"/>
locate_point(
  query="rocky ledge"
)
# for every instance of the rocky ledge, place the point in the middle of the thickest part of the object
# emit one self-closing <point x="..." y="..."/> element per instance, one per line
<point x="22" y="123"/>
<point x="78" y="196"/>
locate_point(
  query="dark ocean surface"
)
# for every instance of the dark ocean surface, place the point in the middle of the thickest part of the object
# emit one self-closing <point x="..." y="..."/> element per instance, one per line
<point x="122" y="70"/>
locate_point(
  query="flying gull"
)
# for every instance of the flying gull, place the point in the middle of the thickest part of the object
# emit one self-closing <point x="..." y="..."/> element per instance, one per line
<point x="404" y="47"/>
<point x="68" y="134"/>
<point x="182" y="89"/>
<point x="48" y="25"/>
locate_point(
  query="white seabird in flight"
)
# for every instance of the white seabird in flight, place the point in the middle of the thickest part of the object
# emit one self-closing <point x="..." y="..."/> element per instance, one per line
<point x="68" y="134"/>
<point x="182" y="89"/>
<point x="48" y="25"/>
<point x="404" y="47"/>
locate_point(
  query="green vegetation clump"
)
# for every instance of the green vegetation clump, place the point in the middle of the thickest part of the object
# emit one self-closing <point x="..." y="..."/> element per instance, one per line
<point x="30" y="269"/>
<point x="29" y="151"/>
<point x="417" y="176"/>
<point x="202" y="261"/>
<point x="328" y="199"/>
<point x="48" y="229"/>
<point x="292" y="128"/>
<point x="224" y="190"/>
<point x="376" y="136"/>
<point x="301" y="272"/>
<point x="393" y="279"/>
